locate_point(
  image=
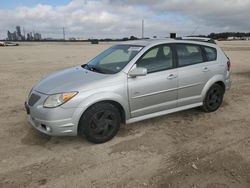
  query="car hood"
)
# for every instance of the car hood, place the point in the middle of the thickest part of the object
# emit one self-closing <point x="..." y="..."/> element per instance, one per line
<point x="71" y="79"/>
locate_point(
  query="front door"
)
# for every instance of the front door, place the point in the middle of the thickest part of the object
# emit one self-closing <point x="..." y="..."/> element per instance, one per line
<point x="157" y="91"/>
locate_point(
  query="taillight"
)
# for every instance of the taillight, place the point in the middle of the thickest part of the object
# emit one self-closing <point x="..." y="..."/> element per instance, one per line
<point x="228" y="65"/>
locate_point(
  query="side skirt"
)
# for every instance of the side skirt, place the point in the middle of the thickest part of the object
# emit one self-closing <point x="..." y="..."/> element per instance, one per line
<point x="161" y="113"/>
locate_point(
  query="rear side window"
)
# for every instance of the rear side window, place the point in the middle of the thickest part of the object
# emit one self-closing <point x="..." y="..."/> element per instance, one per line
<point x="189" y="54"/>
<point x="211" y="53"/>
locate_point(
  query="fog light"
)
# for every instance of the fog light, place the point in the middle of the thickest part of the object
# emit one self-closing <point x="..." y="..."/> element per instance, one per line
<point x="46" y="128"/>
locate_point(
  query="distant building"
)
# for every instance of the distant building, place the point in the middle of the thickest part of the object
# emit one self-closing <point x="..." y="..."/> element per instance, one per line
<point x="238" y="38"/>
<point x="37" y="36"/>
<point x="72" y="38"/>
<point x="12" y="36"/>
<point x="29" y="36"/>
<point x="81" y="38"/>
<point x="17" y="35"/>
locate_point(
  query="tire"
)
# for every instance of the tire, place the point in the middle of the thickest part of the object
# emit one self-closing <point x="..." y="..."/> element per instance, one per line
<point x="100" y="123"/>
<point x="213" y="99"/>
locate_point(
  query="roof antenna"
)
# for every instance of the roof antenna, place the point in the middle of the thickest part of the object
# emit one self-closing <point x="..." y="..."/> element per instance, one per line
<point x="195" y="30"/>
<point x="63" y="33"/>
<point x="142" y="29"/>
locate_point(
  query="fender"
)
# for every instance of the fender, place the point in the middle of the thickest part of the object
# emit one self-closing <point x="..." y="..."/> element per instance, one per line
<point x="98" y="97"/>
<point x="210" y="82"/>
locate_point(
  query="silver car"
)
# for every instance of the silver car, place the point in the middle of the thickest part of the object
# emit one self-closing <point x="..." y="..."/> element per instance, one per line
<point x="129" y="82"/>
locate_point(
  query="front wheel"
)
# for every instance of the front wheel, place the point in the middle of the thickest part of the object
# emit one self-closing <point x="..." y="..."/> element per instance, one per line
<point x="100" y="123"/>
<point x="213" y="99"/>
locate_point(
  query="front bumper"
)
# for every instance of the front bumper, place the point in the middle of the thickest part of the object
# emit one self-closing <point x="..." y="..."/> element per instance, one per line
<point x="53" y="128"/>
<point x="52" y="121"/>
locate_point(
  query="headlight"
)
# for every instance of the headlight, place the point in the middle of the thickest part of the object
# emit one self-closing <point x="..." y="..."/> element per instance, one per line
<point x="55" y="100"/>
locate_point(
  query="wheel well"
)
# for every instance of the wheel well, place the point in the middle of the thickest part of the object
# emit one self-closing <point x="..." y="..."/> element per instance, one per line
<point x="117" y="105"/>
<point x="120" y="108"/>
<point x="222" y="85"/>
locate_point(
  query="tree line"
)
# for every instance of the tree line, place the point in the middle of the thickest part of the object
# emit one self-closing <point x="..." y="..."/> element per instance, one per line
<point x="226" y="35"/>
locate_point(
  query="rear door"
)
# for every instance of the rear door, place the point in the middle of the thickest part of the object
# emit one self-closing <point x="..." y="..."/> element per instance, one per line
<point x="193" y="73"/>
<point x="212" y="62"/>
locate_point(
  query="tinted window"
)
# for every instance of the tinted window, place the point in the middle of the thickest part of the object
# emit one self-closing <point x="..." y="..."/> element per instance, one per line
<point x="211" y="53"/>
<point x="188" y="54"/>
<point x="113" y="59"/>
<point x="118" y="55"/>
<point x="157" y="59"/>
<point x="151" y="54"/>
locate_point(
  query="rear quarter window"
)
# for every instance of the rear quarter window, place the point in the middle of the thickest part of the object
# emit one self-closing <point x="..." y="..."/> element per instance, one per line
<point x="211" y="53"/>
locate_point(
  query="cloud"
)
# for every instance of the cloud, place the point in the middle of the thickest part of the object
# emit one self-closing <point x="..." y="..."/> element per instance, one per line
<point x="221" y="14"/>
<point x="119" y="18"/>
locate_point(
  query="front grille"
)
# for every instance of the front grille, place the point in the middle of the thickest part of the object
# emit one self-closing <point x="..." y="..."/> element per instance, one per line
<point x="33" y="99"/>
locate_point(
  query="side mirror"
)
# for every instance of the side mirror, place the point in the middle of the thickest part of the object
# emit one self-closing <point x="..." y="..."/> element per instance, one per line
<point x="139" y="71"/>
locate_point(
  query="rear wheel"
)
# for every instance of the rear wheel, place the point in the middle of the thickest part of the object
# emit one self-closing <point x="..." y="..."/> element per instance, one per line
<point x="213" y="99"/>
<point x="100" y="123"/>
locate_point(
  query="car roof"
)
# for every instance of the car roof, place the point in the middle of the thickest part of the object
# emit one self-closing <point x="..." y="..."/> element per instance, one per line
<point x="147" y="42"/>
<point x="153" y="42"/>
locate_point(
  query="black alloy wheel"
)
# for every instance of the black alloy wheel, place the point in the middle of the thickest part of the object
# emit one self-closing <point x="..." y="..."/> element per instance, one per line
<point x="100" y="123"/>
<point x="213" y="98"/>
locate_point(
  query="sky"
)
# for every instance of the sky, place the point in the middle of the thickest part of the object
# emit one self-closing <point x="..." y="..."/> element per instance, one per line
<point x="122" y="18"/>
<point x="11" y="4"/>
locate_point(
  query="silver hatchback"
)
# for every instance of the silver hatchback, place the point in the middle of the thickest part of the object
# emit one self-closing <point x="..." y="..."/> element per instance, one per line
<point x="129" y="82"/>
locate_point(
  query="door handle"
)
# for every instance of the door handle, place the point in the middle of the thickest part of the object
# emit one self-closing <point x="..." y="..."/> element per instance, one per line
<point x="171" y="76"/>
<point x="205" y="69"/>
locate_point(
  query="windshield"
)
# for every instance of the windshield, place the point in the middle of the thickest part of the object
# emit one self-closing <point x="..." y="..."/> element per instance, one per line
<point x="114" y="59"/>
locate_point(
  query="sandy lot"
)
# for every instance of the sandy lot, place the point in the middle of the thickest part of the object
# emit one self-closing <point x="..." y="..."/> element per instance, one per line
<point x="185" y="149"/>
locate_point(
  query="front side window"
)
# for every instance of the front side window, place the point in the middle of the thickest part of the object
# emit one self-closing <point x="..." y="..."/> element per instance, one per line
<point x="188" y="54"/>
<point x="211" y="53"/>
<point x="114" y="59"/>
<point x="157" y="59"/>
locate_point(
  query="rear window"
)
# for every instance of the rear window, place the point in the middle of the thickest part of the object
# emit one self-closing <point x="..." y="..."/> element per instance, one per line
<point x="211" y="53"/>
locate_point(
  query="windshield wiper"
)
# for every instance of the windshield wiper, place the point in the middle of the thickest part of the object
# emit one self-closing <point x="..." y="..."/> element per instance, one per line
<point x="97" y="69"/>
<point x="86" y="66"/>
<point x="94" y="69"/>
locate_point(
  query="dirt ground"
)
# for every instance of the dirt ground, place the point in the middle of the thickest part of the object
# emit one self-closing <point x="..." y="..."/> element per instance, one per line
<point x="189" y="149"/>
